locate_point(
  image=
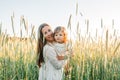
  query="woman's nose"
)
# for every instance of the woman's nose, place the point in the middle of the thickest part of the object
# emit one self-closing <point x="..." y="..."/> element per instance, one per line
<point x="50" y="33"/>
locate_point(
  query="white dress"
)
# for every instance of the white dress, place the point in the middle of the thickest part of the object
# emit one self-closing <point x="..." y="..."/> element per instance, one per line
<point x="52" y="69"/>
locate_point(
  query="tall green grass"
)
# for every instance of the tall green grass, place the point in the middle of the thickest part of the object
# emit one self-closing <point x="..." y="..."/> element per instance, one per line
<point x="94" y="60"/>
<point x="17" y="57"/>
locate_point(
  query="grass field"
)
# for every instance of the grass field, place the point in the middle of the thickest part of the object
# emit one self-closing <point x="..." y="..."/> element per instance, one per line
<point x="93" y="60"/>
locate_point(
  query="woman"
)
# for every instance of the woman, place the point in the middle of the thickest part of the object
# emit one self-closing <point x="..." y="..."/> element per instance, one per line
<point x="51" y="68"/>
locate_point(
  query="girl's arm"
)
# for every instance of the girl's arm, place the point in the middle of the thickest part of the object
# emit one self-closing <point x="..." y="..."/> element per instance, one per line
<point x="66" y="56"/>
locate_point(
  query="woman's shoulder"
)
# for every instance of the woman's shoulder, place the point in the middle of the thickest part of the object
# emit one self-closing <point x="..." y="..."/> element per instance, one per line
<point x="48" y="47"/>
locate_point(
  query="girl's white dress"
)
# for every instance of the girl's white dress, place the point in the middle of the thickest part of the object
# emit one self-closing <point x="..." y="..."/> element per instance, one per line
<point x="52" y="69"/>
<point x="60" y="48"/>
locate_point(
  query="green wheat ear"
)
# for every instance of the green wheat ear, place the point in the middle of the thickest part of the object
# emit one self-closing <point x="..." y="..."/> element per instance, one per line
<point x="12" y="21"/>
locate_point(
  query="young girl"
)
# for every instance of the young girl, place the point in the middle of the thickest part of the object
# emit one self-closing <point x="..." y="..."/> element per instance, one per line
<point x="61" y="47"/>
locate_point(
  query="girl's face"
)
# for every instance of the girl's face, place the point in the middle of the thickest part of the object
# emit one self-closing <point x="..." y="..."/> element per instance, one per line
<point x="47" y="33"/>
<point x="59" y="37"/>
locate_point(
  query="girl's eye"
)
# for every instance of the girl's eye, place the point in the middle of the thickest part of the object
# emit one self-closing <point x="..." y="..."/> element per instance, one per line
<point x="60" y="34"/>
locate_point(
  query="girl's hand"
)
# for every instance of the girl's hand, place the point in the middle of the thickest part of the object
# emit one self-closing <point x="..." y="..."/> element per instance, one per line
<point x="60" y="57"/>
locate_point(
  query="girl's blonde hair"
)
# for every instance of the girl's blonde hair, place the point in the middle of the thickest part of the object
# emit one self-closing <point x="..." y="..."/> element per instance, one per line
<point x="61" y="28"/>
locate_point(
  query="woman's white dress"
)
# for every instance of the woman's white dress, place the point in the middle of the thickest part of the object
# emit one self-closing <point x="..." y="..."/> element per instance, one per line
<point x="52" y="69"/>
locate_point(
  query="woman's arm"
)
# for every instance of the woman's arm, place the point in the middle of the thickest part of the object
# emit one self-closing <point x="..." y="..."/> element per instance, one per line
<point x="52" y="57"/>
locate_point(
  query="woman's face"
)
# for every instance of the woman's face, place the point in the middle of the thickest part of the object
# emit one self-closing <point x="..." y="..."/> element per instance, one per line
<point x="47" y="33"/>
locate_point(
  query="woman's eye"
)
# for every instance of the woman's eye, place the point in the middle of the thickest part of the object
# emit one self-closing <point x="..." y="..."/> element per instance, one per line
<point x="49" y="30"/>
<point x="45" y="33"/>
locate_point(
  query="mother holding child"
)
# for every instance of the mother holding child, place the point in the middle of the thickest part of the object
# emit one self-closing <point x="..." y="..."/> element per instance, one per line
<point x="52" y="52"/>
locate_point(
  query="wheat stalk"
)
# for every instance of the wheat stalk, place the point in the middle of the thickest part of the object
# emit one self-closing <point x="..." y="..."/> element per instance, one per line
<point x="25" y="23"/>
<point x="96" y="33"/>
<point x="76" y="8"/>
<point x="0" y="29"/>
<point x="113" y="23"/>
<point x="12" y="20"/>
<point x="69" y="22"/>
<point x="87" y="22"/>
<point x="4" y="37"/>
<point x="33" y="32"/>
<point x="101" y="23"/>
<point x="116" y="48"/>
<point x="77" y="27"/>
<point x="21" y="26"/>
<point x="107" y="40"/>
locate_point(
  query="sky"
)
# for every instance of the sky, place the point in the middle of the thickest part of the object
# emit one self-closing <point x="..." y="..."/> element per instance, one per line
<point x="57" y="13"/>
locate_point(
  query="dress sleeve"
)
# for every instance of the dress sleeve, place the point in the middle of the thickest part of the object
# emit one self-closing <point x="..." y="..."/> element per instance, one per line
<point x="52" y="57"/>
